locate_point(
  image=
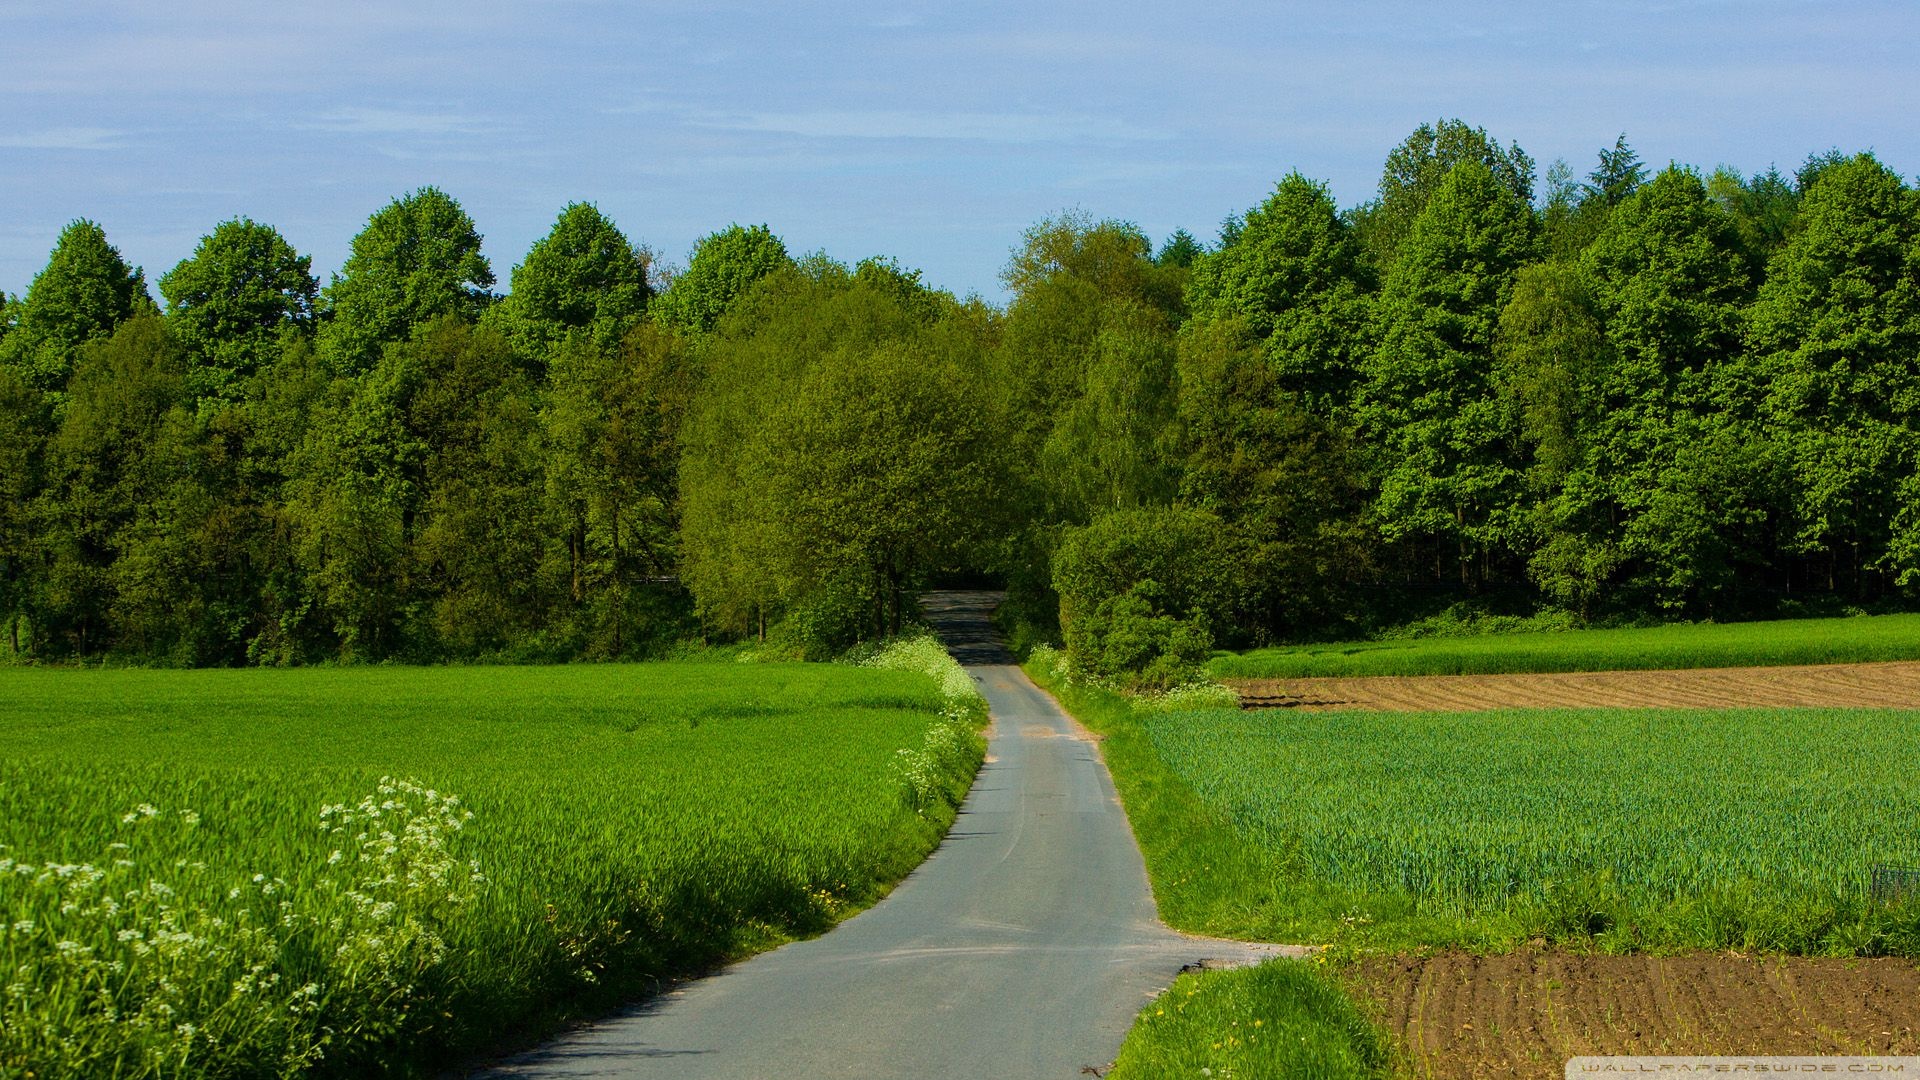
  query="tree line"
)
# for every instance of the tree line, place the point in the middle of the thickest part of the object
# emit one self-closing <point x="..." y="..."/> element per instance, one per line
<point x="1479" y="396"/>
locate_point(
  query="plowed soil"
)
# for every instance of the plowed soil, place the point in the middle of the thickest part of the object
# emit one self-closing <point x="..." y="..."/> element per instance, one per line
<point x="1838" y="686"/>
<point x="1522" y="1015"/>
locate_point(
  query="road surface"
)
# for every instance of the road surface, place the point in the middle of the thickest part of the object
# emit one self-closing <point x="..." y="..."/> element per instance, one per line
<point x="1020" y="950"/>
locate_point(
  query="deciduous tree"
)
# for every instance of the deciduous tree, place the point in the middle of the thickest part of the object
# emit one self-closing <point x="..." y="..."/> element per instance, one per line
<point x="85" y="292"/>
<point x="232" y="302"/>
<point x="584" y="275"/>
<point x="1429" y="405"/>
<point x="723" y="268"/>
<point x="418" y="259"/>
<point x="1835" y="332"/>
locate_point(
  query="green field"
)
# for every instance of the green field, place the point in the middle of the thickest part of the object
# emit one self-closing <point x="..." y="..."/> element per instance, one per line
<point x="1793" y="641"/>
<point x="1614" y="829"/>
<point x="172" y="892"/>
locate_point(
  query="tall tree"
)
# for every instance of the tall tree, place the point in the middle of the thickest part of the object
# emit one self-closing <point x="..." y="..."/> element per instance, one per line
<point x="417" y="259"/>
<point x="1429" y="404"/>
<point x="420" y="513"/>
<point x="1551" y="354"/>
<point x="107" y="467"/>
<point x="1294" y="272"/>
<point x="724" y="266"/>
<point x="584" y="275"/>
<point x="1111" y="447"/>
<point x="1286" y="481"/>
<point x="1179" y="250"/>
<point x="1835" y="332"/>
<point x="85" y="292"/>
<point x="233" y="300"/>
<point x="837" y="451"/>
<point x="610" y="427"/>
<point x="1682" y="482"/>
<point x="1091" y="312"/>
<point x="23" y="436"/>
<point x="1415" y="169"/>
<point x="1618" y="175"/>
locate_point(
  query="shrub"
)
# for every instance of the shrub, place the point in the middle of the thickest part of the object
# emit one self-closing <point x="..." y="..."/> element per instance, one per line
<point x="1139" y="593"/>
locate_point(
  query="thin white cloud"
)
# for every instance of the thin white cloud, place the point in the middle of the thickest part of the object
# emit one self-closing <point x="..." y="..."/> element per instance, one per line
<point x="376" y="121"/>
<point x="72" y="138"/>
<point x="908" y="124"/>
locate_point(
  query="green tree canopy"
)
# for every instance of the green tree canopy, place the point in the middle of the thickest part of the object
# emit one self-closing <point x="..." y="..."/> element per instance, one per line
<point x="724" y="266"/>
<point x="1415" y="170"/>
<point x="583" y="275"/>
<point x="23" y="437"/>
<point x="108" y="464"/>
<point x="85" y="292"/>
<point x="231" y="302"/>
<point x="1677" y="481"/>
<point x="417" y="259"/>
<point x="1429" y="404"/>
<point x="1835" y="331"/>
<point x="837" y="450"/>
<point x="610" y="426"/>
<point x="1293" y="271"/>
<point x="1618" y="175"/>
<point x="418" y="512"/>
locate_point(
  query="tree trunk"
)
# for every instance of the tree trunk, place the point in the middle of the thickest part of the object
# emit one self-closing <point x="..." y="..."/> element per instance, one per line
<point x="576" y="554"/>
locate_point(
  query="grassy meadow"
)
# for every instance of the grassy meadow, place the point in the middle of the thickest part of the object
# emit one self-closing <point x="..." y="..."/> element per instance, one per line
<point x="342" y="871"/>
<point x="1858" y="639"/>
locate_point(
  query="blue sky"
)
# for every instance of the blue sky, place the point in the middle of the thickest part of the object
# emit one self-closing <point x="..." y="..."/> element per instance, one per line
<point x="933" y="133"/>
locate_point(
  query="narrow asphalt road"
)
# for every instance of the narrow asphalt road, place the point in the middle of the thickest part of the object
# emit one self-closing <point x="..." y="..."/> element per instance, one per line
<point x="1020" y="950"/>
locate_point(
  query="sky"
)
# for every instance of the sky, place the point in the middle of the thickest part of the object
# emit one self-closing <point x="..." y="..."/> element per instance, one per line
<point x="933" y="133"/>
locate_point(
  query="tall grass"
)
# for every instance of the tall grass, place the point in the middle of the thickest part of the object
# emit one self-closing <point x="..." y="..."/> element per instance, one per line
<point x="376" y="871"/>
<point x="1794" y="641"/>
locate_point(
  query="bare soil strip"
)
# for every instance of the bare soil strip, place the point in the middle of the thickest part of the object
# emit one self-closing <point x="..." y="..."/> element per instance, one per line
<point x="1522" y="1015"/>
<point x="1836" y="686"/>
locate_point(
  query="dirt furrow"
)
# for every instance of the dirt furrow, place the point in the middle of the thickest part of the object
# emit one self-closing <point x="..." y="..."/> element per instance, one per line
<point x="1894" y="684"/>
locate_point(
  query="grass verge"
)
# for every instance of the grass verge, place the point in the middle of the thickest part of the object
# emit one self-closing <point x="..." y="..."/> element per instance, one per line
<point x="252" y="873"/>
<point x="1860" y="639"/>
<point x="1284" y="1018"/>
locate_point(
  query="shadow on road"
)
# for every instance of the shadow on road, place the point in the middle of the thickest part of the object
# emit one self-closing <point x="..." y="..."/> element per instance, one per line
<point x="963" y="620"/>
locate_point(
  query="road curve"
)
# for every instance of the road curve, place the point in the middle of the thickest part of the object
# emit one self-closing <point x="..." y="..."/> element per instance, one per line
<point x="1020" y="950"/>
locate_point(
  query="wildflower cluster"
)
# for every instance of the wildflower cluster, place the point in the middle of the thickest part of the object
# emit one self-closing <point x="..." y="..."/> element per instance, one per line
<point x="925" y="654"/>
<point x="1057" y="667"/>
<point x="1200" y="694"/>
<point x="150" y="961"/>
<point x="929" y="773"/>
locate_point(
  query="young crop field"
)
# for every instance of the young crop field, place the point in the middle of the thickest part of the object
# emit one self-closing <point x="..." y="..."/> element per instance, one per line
<point x="1696" y="645"/>
<point x="343" y="871"/>
<point x="1624" y="830"/>
<point x="1750" y="829"/>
